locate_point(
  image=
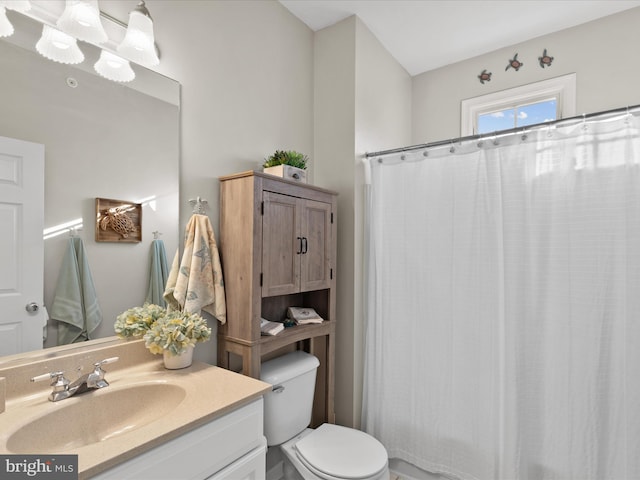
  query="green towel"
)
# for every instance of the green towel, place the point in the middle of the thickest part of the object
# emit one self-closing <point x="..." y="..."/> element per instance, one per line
<point x="75" y="304"/>
<point x="159" y="271"/>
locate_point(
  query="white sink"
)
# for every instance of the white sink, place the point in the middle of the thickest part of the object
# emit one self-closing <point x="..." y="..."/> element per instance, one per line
<point x="144" y="406"/>
<point x="96" y="416"/>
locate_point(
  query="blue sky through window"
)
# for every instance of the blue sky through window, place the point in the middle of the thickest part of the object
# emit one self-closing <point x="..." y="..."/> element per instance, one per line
<point x="519" y="116"/>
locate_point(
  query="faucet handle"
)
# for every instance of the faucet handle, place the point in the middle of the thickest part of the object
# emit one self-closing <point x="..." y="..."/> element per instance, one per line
<point x="106" y="361"/>
<point x="59" y="383"/>
<point x="96" y="379"/>
<point x="58" y="376"/>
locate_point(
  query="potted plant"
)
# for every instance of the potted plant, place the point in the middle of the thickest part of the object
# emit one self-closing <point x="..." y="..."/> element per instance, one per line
<point x="175" y="336"/>
<point x="287" y="164"/>
<point x="135" y="322"/>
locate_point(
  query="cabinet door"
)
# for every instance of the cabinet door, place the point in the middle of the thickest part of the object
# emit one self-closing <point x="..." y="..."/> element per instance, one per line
<point x="252" y="466"/>
<point x="281" y="245"/>
<point x="315" y="261"/>
<point x="199" y="453"/>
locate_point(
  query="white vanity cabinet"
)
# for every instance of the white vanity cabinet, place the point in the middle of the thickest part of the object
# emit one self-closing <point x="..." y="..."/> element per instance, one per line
<point x="230" y="447"/>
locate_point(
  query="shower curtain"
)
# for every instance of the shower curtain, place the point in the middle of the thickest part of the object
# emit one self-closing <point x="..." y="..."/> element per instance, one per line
<point x="503" y="305"/>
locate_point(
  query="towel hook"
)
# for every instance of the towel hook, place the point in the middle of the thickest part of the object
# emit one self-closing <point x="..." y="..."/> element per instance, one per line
<point x="156" y="234"/>
<point x="198" y="204"/>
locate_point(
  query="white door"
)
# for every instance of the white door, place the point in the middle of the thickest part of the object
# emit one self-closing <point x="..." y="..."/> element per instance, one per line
<point x="22" y="316"/>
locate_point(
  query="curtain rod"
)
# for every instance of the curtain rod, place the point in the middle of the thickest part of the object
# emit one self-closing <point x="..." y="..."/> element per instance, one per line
<point x="508" y="131"/>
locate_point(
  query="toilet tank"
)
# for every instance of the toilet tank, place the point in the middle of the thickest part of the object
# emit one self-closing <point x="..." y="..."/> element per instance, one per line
<point x="287" y="408"/>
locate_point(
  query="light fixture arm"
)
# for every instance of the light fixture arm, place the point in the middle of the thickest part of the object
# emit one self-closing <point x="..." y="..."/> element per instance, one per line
<point x="120" y="23"/>
<point x="141" y="7"/>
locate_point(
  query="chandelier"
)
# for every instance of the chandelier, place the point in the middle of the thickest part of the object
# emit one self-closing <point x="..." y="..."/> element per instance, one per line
<point x="82" y="20"/>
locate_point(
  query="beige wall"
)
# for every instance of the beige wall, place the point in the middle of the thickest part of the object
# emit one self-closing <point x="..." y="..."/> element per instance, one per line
<point x="334" y="150"/>
<point x="599" y="52"/>
<point x="247" y="89"/>
<point x="362" y="103"/>
<point x="383" y="120"/>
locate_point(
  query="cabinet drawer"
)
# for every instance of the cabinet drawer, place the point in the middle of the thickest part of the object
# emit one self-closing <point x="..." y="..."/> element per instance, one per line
<point x="200" y="453"/>
<point x="252" y="466"/>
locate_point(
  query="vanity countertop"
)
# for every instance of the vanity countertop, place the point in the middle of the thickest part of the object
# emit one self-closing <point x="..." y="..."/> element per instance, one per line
<point x="206" y="393"/>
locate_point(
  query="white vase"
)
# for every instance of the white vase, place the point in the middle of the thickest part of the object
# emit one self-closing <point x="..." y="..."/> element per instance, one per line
<point x="288" y="172"/>
<point x="175" y="362"/>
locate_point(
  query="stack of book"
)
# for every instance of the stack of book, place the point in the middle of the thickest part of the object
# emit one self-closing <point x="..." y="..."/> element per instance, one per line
<point x="303" y="315"/>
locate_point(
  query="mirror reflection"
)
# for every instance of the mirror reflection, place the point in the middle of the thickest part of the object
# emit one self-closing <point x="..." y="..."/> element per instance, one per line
<point x="101" y="139"/>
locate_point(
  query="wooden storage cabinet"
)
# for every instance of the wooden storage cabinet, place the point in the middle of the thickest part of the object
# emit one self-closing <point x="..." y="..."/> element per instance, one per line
<point x="296" y="248"/>
<point x="278" y="249"/>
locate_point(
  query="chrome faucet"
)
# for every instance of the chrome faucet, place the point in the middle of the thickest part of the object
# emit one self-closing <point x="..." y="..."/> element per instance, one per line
<point x="63" y="388"/>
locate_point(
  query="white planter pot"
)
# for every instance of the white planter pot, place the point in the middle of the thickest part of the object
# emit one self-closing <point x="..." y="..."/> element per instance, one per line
<point x="288" y="172"/>
<point x="175" y="362"/>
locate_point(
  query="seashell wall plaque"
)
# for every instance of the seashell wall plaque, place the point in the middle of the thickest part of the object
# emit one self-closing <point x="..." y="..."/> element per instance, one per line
<point x="118" y="221"/>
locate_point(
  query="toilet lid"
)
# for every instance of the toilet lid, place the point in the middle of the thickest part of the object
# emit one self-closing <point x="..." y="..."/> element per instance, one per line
<point x="340" y="452"/>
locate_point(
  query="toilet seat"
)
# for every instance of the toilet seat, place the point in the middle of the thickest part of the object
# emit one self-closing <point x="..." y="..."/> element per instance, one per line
<point x="335" y="452"/>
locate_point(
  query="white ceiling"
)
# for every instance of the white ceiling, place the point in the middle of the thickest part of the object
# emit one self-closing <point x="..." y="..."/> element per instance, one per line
<point x="426" y="34"/>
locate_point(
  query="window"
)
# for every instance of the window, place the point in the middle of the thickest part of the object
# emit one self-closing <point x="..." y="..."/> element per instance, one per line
<point x="517" y="116"/>
<point x="521" y="106"/>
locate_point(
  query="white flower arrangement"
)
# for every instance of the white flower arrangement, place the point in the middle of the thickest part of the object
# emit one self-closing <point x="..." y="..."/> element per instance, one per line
<point x="136" y="321"/>
<point x="175" y="332"/>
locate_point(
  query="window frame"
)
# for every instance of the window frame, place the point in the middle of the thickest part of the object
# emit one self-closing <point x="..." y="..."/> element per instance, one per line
<point x="562" y="89"/>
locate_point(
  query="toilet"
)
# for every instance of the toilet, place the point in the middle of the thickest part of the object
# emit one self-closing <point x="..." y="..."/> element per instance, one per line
<point x="329" y="452"/>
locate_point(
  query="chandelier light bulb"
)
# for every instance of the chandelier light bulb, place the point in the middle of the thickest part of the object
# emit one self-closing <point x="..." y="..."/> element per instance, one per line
<point x="58" y="46"/>
<point x="113" y="67"/>
<point x="138" y="44"/>
<point x="81" y="19"/>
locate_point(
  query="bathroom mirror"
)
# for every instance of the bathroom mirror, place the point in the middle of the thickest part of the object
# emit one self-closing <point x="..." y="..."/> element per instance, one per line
<point x="102" y="139"/>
